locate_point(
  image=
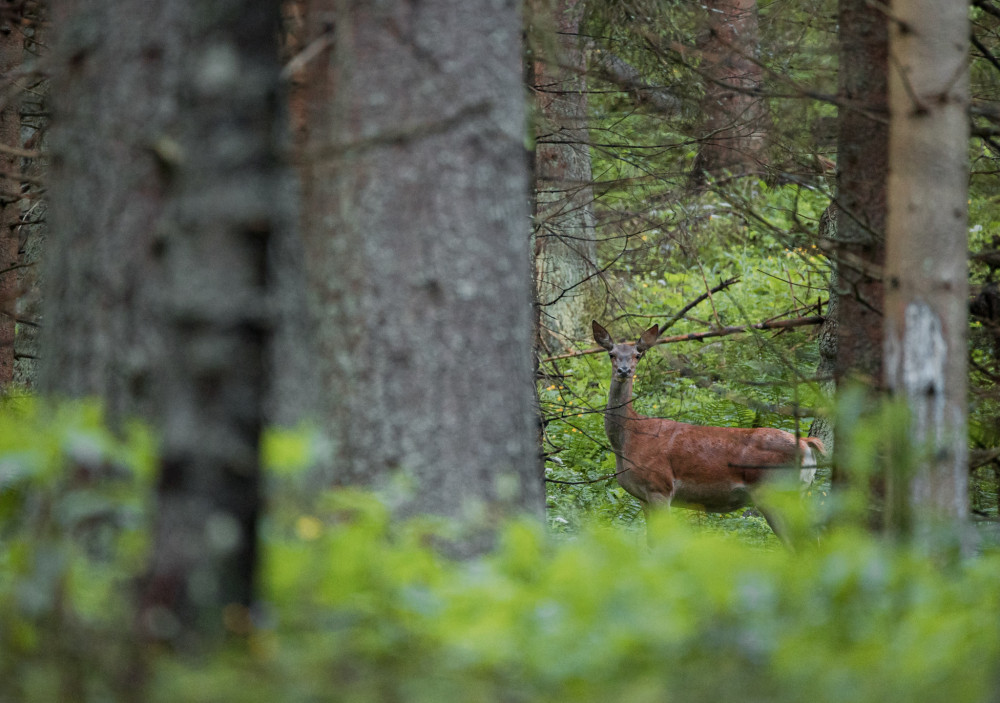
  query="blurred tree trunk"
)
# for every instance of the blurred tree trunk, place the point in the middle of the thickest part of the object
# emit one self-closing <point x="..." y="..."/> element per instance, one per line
<point x="293" y="393"/>
<point x="114" y="95"/>
<point x="416" y="194"/>
<point x="167" y="195"/>
<point x="11" y="58"/>
<point x="734" y="131"/>
<point x="224" y="216"/>
<point x="926" y="272"/>
<point x="565" y="247"/>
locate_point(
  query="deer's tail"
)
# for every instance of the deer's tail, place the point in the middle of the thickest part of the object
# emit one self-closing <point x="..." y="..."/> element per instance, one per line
<point x="814" y="442"/>
<point x="807" y="470"/>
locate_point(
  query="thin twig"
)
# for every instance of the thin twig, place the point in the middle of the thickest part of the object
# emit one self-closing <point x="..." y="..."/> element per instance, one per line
<point x="696" y="336"/>
<point x="17" y="151"/>
<point x="683" y="311"/>
<point x="606" y="477"/>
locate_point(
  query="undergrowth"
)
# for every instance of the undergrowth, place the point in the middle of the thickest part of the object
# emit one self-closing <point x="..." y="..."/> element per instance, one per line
<point x="356" y="606"/>
<point x="759" y="378"/>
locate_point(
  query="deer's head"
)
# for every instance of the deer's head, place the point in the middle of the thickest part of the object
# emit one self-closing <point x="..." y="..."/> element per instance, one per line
<point x="625" y="355"/>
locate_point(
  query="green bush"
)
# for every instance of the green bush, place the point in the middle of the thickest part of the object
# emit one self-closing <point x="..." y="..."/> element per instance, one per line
<point x="358" y="607"/>
<point x="362" y="610"/>
<point x="73" y="518"/>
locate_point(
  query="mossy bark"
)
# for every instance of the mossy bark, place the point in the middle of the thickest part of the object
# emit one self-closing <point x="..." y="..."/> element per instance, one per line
<point x="417" y="229"/>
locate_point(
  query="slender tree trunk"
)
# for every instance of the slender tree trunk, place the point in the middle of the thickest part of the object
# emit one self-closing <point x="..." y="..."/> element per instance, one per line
<point x="926" y="274"/>
<point x="734" y="130"/>
<point x="11" y="58"/>
<point x="565" y="247"/>
<point x="826" y="342"/>
<point x="417" y="231"/>
<point x="857" y="239"/>
<point x="862" y="172"/>
<point x="31" y="231"/>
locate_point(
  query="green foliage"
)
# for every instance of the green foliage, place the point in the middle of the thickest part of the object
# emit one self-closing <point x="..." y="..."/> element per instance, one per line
<point x="359" y="607"/>
<point x="753" y="379"/>
<point x="362" y="610"/>
<point x="72" y="534"/>
<point x="661" y="244"/>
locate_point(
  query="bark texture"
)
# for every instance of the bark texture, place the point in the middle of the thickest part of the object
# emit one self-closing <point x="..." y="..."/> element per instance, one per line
<point x="926" y="285"/>
<point x="168" y="197"/>
<point x="826" y="341"/>
<point x="565" y="246"/>
<point x="853" y="228"/>
<point x="31" y="231"/>
<point x="11" y="57"/>
<point x="226" y="193"/>
<point x="858" y="240"/>
<point x="417" y="228"/>
<point x="734" y="130"/>
<point x="114" y="95"/>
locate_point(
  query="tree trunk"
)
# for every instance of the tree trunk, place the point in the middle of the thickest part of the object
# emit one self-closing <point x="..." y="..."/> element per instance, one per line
<point x="826" y="342"/>
<point x="565" y="247"/>
<point x="113" y="97"/>
<point x="32" y="229"/>
<point x="416" y="192"/>
<point x="734" y="130"/>
<point x="926" y="276"/>
<point x="862" y="171"/>
<point x="294" y="391"/>
<point x="11" y="58"/>
<point x="857" y="241"/>
<point x="168" y="196"/>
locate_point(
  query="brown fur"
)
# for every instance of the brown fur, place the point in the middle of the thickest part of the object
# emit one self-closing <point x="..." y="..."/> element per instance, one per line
<point x="662" y="461"/>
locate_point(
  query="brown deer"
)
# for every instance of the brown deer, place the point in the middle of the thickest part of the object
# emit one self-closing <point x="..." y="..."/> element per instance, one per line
<point x="665" y="462"/>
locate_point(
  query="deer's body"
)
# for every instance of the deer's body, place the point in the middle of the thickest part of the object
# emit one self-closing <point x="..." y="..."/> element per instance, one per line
<point x="665" y="462"/>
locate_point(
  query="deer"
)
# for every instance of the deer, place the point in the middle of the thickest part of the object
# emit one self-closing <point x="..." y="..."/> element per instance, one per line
<point x="665" y="462"/>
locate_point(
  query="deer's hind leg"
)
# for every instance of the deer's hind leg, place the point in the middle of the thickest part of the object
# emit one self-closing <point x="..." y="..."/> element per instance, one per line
<point x="777" y="526"/>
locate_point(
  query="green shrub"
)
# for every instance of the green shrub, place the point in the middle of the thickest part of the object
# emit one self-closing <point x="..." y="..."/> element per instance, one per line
<point x="362" y="610"/>
<point x="358" y="607"/>
<point x="73" y="517"/>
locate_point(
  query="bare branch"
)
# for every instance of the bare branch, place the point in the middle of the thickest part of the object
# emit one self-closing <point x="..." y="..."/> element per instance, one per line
<point x="696" y="336"/>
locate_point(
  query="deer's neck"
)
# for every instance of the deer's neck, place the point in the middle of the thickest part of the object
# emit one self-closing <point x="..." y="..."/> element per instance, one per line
<point x="618" y="412"/>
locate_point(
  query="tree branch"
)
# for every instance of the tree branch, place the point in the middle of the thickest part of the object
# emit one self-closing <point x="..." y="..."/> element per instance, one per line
<point x="697" y="336"/>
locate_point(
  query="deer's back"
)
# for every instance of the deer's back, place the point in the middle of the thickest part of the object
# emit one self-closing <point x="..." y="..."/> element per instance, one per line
<point x="712" y="467"/>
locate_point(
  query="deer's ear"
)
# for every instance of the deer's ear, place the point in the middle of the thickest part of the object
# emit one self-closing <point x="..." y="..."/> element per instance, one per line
<point x="647" y="339"/>
<point x="601" y="336"/>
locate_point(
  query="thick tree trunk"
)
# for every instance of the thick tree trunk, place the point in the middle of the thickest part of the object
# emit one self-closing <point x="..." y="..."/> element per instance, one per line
<point x="113" y="97"/>
<point x="565" y="247"/>
<point x="734" y="130"/>
<point x="226" y="205"/>
<point x="167" y="197"/>
<point x="417" y="231"/>
<point x="926" y="274"/>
